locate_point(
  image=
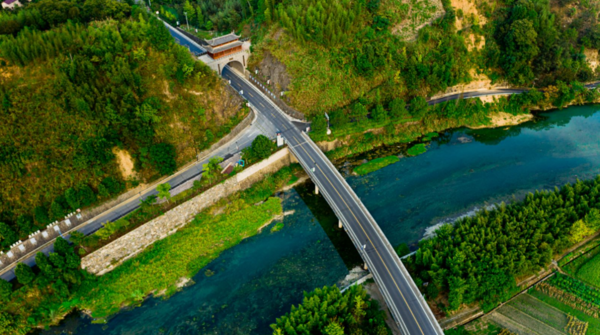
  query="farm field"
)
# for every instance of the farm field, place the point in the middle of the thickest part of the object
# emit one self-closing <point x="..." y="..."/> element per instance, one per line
<point x="589" y="272"/>
<point x="573" y="266"/>
<point x="593" y="323"/>
<point x="528" y="315"/>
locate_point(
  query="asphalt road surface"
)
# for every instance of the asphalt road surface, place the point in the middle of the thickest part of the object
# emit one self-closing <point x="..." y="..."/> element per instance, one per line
<point x="402" y="296"/>
<point x="180" y="39"/>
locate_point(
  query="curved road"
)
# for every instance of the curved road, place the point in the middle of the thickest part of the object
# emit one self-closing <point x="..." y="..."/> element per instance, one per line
<point x="403" y="298"/>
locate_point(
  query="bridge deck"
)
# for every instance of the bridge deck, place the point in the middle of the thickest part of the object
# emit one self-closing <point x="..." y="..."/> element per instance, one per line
<point x="406" y="304"/>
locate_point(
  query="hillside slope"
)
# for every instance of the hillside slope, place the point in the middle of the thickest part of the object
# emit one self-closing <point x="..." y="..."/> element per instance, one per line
<point x="89" y="109"/>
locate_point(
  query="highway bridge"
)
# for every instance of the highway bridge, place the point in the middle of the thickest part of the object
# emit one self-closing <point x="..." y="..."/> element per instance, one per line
<point x="406" y="304"/>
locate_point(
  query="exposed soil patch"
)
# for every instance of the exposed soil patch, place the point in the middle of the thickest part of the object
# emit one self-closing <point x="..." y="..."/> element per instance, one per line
<point x="502" y="119"/>
<point x="467" y="14"/>
<point x="409" y="16"/>
<point x="125" y="162"/>
<point x="591" y="56"/>
<point x="167" y="91"/>
<point x="475" y="42"/>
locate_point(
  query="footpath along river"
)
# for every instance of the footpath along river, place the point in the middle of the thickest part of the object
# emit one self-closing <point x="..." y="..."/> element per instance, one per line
<point x="250" y="285"/>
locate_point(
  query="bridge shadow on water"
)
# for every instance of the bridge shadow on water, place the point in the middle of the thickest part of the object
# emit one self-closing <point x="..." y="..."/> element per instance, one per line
<point x="329" y="222"/>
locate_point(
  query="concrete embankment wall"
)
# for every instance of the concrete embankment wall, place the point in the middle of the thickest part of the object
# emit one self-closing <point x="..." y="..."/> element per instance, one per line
<point x="110" y="256"/>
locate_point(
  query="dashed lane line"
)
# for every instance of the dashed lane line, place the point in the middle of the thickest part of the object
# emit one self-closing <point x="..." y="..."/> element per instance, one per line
<point x="368" y="237"/>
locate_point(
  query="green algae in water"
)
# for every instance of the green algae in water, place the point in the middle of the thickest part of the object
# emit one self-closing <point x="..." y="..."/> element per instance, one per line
<point x="417" y="149"/>
<point x="277" y="227"/>
<point x="430" y="136"/>
<point x="375" y="164"/>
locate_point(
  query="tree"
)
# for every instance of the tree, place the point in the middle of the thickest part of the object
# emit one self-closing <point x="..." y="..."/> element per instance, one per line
<point x="25" y="225"/>
<point x="72" y="198"/>
<point x="7" y="323"/>
<point x="262" y="147"/>
<point x="209" y="25"/>
<point x="262" y="7"/>
<point x="189" y="9"/>
<point x="24" y="273"/>
<point x="379" y="113"/>
<point x="398" y="109"/>
<point x="267" y="11"/>
<point x="199" y="16"/>
<point x="44" y="265"/>
<point x="77" y="237"/>
<point x="402" y="250"/>
<point x="61" y="246"/>
<point x="5" y="290"/>
<point x="41" y="215"/>
<point x="57" y="261"/>
<point x="7" y="235"/>
<point x="162" y="157"/>
<point x="334" y="328"/>
<point x="579" y="231"/>
<point x="211" y="170"/>
<point x="163" y="191"/>
<point x="359" y="112"/>
<point x="103" y="192"/>
<point x="56" y="209"/>
<point x="418" y="107"/>
<point x="319" y="124"/>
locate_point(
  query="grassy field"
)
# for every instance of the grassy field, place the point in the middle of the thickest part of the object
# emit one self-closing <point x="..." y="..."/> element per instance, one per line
<point x="375" y="164"/>
<point x="162" y="265"/>
<point x="590" y="271"/>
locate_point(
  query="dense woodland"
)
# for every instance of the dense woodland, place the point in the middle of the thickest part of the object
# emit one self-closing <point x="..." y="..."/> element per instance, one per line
<point x="525" y="43"/>
<point x="327" y="311"/>
<point x="76" y="94"/>
<point x="477" y="259"/>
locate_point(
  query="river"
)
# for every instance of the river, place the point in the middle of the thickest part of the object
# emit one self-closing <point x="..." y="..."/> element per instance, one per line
<point x="248" y="286"/>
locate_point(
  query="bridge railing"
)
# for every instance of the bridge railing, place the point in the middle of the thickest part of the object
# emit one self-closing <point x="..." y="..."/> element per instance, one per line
<point x="382" y="236"/>
<point x="357" y="244"/>
<point x="393" y="309"/>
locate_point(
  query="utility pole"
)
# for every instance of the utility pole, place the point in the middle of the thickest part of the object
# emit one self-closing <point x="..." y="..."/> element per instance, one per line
<point x="186" y="20"/>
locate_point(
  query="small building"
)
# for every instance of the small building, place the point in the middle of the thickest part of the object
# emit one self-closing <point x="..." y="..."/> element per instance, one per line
<point x="223" y="46"/>
<point x="10" y="4"/>
<point x="226" y="50"/>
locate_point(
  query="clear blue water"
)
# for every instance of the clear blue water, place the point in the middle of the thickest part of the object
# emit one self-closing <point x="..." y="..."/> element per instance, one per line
<point x="258" y="280"/>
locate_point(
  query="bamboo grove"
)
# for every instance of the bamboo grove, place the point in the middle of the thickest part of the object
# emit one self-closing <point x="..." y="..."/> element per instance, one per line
<point x="479" y="258"/>
<point x="327" y="311"/>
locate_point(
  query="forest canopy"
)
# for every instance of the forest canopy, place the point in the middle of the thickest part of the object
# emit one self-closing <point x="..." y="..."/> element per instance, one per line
<point x="82" y="102"/>
<point x="479" y="258"/>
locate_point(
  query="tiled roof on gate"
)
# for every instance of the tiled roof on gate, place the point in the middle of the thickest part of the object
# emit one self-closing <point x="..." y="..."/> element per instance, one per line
<point x="223" y="39"/>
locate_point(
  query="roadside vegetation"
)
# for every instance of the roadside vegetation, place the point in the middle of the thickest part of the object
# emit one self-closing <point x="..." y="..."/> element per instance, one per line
<point x="328" y="311"/>
<point x="91" y="108"/>
<point x="150" y="208"/>
<point x="43" y="295"/>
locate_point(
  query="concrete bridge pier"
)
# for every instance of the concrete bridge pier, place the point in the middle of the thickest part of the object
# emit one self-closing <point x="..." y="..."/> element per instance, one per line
<point x="316" y="189"/>
<point x="365" y="266"/>
<point x="340" y="224"/>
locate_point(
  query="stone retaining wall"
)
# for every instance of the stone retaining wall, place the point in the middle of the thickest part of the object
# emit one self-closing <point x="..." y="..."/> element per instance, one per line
<point x="111" y="255"/>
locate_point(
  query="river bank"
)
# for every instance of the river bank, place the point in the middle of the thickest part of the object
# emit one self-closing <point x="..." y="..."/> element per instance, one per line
<point x="465" y="168"/>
